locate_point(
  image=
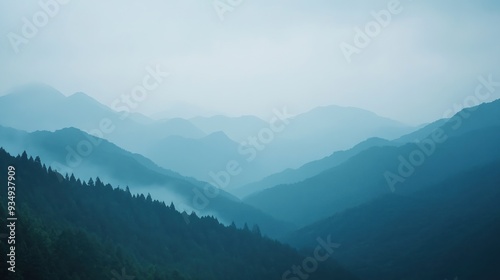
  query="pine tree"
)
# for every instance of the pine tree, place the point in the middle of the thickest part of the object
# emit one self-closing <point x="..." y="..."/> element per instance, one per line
<point x="256" y="230"/>
<point x="98" y="183"/>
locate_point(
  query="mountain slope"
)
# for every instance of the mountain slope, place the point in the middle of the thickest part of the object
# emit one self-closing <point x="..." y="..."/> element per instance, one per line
<point x="324" y="130"/>
<point x="447" y="230"/>
<point x="73" y="230"/>
<point x="63" y="151"/>
<point x="194" y="157"/>
<point x="308" y="137"/>
<point x="364" y="176"/>
<point x="51" y="110"/>
<point x="464" y="121"/>
<point x="308" y="170"/>
<point x="421" y="133"/>
<point x="236" y="128"/>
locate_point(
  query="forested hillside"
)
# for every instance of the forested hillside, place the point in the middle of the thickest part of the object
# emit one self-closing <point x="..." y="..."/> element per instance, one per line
<point x="69" y="229"/>
<point x="448" y="230"/>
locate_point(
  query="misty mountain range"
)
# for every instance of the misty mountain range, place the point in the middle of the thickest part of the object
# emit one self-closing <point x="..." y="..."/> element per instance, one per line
<point x="124" y="128"/>
<point x="400" y="200"/>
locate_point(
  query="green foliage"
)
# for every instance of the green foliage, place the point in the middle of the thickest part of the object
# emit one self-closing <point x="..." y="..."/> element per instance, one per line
<point x="73" y="230"/>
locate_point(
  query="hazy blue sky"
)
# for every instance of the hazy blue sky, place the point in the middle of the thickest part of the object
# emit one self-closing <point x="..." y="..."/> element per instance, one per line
<point x="265" y="54"/>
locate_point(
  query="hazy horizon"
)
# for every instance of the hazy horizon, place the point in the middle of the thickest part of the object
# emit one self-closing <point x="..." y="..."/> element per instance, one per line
<point x="261" y="56"/>
<point x="186" y="111"/>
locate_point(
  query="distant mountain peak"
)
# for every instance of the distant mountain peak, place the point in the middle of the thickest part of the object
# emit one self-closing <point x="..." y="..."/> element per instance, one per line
<point x="79" y="94"/>
<point x="85" y="98"/>
<point x="218" y="135"/>
<point x="36" y="90"/>
<point x="69" y="130"/>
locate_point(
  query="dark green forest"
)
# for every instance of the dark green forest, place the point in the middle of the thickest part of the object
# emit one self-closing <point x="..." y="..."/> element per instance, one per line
<point x="70" y="229"/>
<point x="447" y="230"/>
